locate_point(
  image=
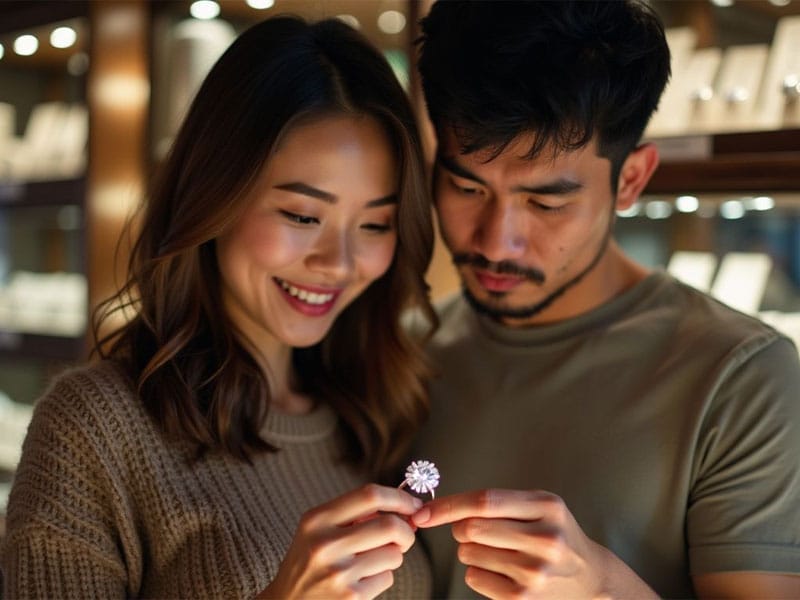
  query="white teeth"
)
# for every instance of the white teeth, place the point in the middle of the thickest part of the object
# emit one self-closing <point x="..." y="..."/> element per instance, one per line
<point x="305" y="295"/>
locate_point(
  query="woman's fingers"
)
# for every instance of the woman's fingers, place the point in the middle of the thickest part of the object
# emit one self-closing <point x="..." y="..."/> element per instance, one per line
<point x="354" y="540"/>
<point x="361" y="503"/>
<point x="370" y="587"/>
<point x="383" y="529"/>
<point x="378" y="560"/>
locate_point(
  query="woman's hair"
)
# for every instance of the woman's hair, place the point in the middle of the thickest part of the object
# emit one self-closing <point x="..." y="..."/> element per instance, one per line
<point x="193" y="370"/>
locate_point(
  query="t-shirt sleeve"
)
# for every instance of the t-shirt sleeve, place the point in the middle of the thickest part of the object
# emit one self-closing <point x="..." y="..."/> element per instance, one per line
<point x="60" y="540"/>
<point x="744" y="508"/>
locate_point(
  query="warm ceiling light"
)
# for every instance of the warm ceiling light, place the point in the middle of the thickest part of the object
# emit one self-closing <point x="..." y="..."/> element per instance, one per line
<point x="2" y="50"/>
<point x="25" y="45"/>
<point x="63" y="37"/>
<point x="260" y="4"/>
<point x="391" y="21"/>
<point x="204" y="9"/>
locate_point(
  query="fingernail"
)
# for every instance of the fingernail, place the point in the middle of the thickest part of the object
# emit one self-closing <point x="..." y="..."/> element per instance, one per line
<point x="417" y="503"/>
<point x="412" y="524"/>
<point x="421" y="517"/>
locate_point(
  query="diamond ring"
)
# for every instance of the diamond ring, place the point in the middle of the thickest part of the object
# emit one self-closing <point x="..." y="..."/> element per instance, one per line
<point x="422" y="476"/>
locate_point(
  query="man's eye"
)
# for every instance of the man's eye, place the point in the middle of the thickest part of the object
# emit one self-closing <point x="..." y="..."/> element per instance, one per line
<point x="299" y="219"/>
<point x="467" y="190"/>
<point x="548" y="209"/>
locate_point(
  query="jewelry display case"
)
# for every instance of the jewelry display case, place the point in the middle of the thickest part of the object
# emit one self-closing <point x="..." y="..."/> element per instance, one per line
<point x="722" y="210"/>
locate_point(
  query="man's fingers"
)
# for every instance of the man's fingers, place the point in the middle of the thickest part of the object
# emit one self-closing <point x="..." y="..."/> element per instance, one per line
<point x="538" y="538"/>
<point x="491" y="585"/>
<point x="491" y="503"/>
<point x="525" y="571"/>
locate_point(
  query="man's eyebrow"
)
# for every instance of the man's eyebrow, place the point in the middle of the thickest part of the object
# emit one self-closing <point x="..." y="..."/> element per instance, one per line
<point x="456" y="169"/>
<point x="556" y="188"/>
<point x="307" y="190"/>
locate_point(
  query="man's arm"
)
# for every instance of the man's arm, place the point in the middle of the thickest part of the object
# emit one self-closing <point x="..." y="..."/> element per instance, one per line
<point x="747" y="585"/>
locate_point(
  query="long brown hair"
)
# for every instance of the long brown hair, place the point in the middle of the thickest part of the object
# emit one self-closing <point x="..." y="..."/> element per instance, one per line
<point x="193" y="372"/>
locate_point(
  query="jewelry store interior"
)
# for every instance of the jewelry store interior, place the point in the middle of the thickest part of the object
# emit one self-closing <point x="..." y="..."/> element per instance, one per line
<point x="91" y="93"/>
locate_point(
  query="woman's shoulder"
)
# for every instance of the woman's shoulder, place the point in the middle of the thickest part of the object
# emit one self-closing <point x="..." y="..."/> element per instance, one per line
<point x="92" y="393"/>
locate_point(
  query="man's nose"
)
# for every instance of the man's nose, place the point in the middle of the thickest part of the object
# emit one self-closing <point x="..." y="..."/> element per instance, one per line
<point x="501" y="233"/>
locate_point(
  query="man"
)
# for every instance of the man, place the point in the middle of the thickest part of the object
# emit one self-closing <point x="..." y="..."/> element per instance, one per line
<point x="626" y="435"/>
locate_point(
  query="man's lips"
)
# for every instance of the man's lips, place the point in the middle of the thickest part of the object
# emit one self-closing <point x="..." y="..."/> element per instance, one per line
<point x="494" y="282"/>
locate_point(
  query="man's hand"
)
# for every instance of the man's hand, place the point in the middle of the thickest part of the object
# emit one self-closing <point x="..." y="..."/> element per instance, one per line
<point x="528" y="544"/>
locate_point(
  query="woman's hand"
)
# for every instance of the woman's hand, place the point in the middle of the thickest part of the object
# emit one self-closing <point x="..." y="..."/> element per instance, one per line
<point x="348" y="547"/>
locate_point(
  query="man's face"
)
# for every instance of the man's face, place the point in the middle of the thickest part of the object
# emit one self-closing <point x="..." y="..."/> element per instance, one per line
<point x="526" y="234"/>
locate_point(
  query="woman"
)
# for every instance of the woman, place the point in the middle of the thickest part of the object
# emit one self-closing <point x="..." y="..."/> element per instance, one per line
<point x="222" y="446"/>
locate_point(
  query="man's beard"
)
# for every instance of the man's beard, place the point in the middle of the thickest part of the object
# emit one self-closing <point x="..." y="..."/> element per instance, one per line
<point x="498" y="313"/>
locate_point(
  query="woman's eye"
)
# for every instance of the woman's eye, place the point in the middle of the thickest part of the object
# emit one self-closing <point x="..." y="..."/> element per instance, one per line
<point x="299" y="219"/>
<point x="377" y="227"/>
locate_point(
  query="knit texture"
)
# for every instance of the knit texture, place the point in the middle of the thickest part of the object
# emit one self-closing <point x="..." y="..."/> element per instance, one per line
<point x="104" y="506"/>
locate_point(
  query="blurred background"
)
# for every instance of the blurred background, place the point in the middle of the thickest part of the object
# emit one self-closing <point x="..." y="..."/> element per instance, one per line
<point x="92" y="91"/>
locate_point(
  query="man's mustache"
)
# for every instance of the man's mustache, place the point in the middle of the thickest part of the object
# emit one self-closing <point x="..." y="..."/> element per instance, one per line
<point x="504" y="267"/>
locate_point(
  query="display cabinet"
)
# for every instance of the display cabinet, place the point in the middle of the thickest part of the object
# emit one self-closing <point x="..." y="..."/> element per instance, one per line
<point x="722" y="210"/>
<point x="74" y="87"/>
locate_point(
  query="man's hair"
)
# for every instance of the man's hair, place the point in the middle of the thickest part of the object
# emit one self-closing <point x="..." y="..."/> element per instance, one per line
<point x="566" y="71"/>
<point x="194" y="371"/>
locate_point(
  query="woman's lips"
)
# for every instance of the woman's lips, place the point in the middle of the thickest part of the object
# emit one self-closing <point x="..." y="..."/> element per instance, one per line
<point x="308" y="300"/>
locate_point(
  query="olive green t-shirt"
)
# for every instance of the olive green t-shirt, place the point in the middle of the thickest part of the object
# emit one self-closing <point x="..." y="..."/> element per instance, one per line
<point x="668" y="422"/>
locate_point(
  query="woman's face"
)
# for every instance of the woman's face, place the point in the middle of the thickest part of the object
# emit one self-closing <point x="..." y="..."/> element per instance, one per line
<point x="319" y="228"/>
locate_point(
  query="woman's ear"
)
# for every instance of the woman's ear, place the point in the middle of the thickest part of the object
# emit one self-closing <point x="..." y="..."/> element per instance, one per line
<point x="635" y="173"/>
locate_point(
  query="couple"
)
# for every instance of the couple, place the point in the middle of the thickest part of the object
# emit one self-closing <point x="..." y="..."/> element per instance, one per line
<point x="601" y="430"/>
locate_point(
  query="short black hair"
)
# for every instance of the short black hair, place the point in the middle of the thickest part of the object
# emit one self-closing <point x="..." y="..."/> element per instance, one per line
<point x="564" y="70"/>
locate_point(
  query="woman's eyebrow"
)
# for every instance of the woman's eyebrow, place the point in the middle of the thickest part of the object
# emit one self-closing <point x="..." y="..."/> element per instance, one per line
<point x="299" y="187"/>
<point x="307" y="190"/>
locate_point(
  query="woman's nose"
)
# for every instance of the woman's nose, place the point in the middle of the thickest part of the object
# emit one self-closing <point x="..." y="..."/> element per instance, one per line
<point x="333" y="256"/>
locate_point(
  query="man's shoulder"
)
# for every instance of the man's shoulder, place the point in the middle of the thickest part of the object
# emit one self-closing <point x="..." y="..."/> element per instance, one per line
<point x="452" y="306"/>
<point x="710" y="321"/>
<point x="456" y="319"/>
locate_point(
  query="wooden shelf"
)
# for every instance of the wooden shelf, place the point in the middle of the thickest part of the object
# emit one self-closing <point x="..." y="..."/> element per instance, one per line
<point x="43" y="193"/>
<point x="16" y="15"/>
<point x="763" y="161"/>
<point x="16" y="345"/>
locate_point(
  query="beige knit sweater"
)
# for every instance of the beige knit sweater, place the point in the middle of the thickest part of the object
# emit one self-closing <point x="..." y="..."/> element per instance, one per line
<point x="103" y="506"/>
